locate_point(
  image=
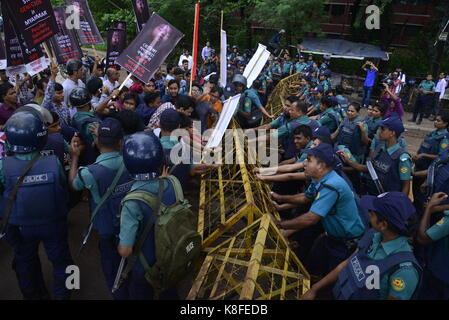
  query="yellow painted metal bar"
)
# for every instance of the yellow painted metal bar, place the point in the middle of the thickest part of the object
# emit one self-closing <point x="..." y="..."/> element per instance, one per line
<point x="256" y="258"/>
<point x="214" y="288"/>
<point x="202" y="203"/>
<point x="222" y="199"/>
<point x="284" y="274"/>
<point x="278" y="291"/>
<point x="200" y="278"/>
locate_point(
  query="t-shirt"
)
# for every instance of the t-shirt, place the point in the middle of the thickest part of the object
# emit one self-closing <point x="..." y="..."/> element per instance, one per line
<point x="370" y="78"/>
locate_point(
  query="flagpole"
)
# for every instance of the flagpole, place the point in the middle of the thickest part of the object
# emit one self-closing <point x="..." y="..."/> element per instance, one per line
<point x="195" y="44"/>
<point x="222" y="16"/>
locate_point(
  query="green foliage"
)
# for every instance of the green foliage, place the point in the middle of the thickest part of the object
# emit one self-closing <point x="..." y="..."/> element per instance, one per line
<point x="297" y="17"/>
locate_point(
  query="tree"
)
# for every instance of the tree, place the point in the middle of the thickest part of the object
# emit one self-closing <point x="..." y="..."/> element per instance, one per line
<point x="297" y="17"/>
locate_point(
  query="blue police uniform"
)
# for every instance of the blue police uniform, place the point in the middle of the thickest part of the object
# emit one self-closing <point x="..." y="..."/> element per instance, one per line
<point x="373" y="126"/>
<point x="398" y="270"/>
<point x="287" y="68"/>
<point x="300" y="66"/>
<point x="350" y="136"/>
<point x="436" y="275"/>
<point x="434" y="143"/>
<point x="392" y="165"/>
<point x="38" y="215"/>
<point x="330" y="119"/>
<point x="334" y="201"/>
<point x="97" y="178"/>
<point x="134" y="217"/>
<point x="84" y="121"/>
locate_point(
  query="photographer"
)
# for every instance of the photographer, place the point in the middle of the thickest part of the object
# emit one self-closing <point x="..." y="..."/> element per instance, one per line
<point x="371" y="73"/>
<point x="391" y="102"/>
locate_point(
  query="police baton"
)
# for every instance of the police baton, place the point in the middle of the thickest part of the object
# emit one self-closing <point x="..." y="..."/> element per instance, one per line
<point x="85" y="239"/>
<point x="373" y="174"/>
<point x="118" y="280"/>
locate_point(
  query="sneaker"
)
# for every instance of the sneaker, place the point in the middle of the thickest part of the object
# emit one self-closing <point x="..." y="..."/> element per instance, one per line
<point x="419" y="122"/>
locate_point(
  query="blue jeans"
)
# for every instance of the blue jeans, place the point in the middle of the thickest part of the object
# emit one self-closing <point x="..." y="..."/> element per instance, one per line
<point x="366" y="100"/>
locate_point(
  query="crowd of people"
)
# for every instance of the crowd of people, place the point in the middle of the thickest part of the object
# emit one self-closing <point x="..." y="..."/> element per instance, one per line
<point x="342" y="188"/>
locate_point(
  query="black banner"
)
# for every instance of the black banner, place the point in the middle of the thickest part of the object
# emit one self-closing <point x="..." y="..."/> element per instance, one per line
<point x="150" y="48"/>
<point x="33" y="19"/>
<point x="142" y="13"/>
<point x="116" y="45"/>
<point x="65" y="44"/>
<point x="17" y="52"/>
<point x="87" y="30"/>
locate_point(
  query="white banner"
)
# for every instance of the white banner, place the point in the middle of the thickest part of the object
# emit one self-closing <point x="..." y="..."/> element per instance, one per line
<point x="229" y="109"/>
<point x="256" y="64"/>
<point x="37" y="66"/>
<point x="223" y="60"/>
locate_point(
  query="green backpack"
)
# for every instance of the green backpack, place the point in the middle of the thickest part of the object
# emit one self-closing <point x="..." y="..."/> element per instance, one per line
<point x="177" y="241"/>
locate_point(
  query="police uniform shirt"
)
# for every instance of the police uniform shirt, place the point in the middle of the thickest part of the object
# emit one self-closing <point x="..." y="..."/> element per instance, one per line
<point x="405" y="162"/>
<point x="301" y="157"/>
<point x="79" y="117"/>
<point x="439" y="233"/>
<point x="132" y="215"/>
<point x="251" y="97"/>
<point x="400" y="284"/>
<point x="339" y="211"/>
<point x="168" y="142"/>
<point x="361" y="157"/>
<point x="427" y="85"/>
<point x="347" y="152"/>
<point x="85" y="180"/>
<point x="444" y="143"/>
<point x="287" y="67"/>
<point x="26" y="157"/>
<point x="327" y="121"/>
<point x="285" y="130"/>
<point x="376" y="140"/>
<point x="300" y="67"/>
<point x="371" y="120"/>
<point x="326" y="85"/>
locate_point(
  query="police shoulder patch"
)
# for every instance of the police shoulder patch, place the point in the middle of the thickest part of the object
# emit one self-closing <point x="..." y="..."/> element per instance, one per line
<point x="443" y="145"/>
<point x="441" y="222"/>
<point x="398" y="284"/>
<point x="404" y="170"/>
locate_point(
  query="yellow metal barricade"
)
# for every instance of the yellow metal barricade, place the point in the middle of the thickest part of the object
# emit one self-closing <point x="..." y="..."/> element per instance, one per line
<point x="256" y="264"/>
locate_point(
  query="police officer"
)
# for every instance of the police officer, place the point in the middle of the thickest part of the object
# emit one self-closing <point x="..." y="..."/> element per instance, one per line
<point x="436" y="237"/>
<point x="301" y="65"/>
<point x="287" y="67"/>
<point x="434" y="143"/>
<point x="385" y="247"/>
<point x="325" y="80"/>
<point x="349" y="133"/>
<point x="333" y="204"/>
<point x="108" y="172"/>
<point x="390" y="162"/>
<point x="84" y="121"/>
<point x="143" y="157"/>
<point x="425" y="99"/>
<point x="328" y="117"/>
<point x="250" y="109"/>
<point x="275" y="70"/>
<point x="38" y="211"/>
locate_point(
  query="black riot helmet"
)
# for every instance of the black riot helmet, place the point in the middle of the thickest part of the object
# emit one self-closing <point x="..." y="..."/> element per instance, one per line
<point x="73" y="65"/>
<point x="79" y="97"/>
